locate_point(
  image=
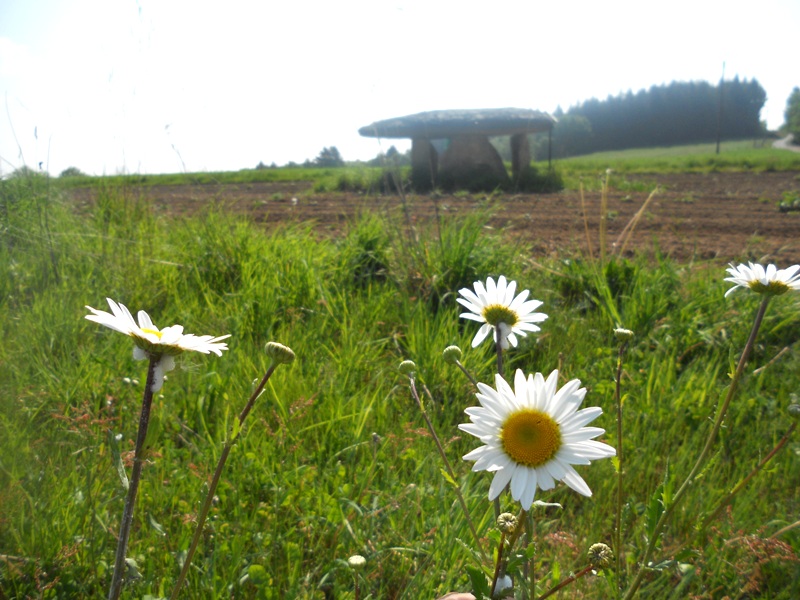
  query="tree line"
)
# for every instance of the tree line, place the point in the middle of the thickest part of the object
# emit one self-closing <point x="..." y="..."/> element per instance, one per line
<point x="667" y="115"/>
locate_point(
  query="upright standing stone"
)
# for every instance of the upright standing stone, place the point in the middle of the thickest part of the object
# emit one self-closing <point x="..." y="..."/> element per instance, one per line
<point x="424" y="165"/>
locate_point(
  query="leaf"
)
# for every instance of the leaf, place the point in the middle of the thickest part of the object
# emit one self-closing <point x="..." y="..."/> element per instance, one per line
<point x="113" y="443"/>
<point x="480" y="586"/>
<point x="654" y="511"/>
<point x="541" y="504"/>
<point x="156" y="525"/>
<point x="447" y="478"/>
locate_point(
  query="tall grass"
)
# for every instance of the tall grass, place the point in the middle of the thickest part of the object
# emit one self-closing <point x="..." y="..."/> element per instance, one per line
<point x="335" y="460"/>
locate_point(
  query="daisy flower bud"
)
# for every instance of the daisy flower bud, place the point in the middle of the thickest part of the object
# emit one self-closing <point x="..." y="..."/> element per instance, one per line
<point x="279" y="353"/>
<point x="623" y="335"/>
<point x="356" y="562"/>
<point x="407" y="367"/>
<point x="452" y="354"/>
<point x="600" y="556"/>
<point x="507" y="523"/>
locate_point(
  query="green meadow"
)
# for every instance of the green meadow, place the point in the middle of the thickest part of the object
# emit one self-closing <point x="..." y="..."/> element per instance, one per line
<point x="335" y="459"/>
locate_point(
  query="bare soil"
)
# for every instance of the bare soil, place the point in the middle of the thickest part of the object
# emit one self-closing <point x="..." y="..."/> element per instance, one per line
<point x="724" y="216"/>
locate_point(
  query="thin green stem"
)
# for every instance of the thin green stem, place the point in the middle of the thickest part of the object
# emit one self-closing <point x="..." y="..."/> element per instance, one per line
<point x="449" y="469"/>
<point x="498" y="565"/>
<point x="133" y="486"/>
<point x="620" y="463"/>
<point x="562" y="584"/>
<point x="669" y="510"/>
<point x="467" y="373"/>
<point x="226" y="450"/>
<point x="783" y="530"/>
<point x="729" y="496"/>
<point x="529" y="532"/>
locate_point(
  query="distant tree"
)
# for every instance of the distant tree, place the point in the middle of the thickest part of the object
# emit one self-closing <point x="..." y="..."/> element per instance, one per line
<point x="26" y="172"/>
<point x="391" y="158"/>
<point x="72" y="172"/>
<point x="792" y="115"/>
<point x="572" y="133"/>
<point x="667" y="115"/>
<point x="329" y="157"/>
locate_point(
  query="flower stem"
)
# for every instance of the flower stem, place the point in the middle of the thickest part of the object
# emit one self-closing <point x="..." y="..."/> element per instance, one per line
<point x="712" y="436"/>
<point x="498" y="565"/>
<point x="498" y="346"/>
<point x="133" y="487"/>
<point x="618" y="519"/>
<point x="562" y="584"/>
<point x="469" y="376"/>
<point x="226" y="449"/>
<point x="449" y="469"/>
<point x="531" y="566"/>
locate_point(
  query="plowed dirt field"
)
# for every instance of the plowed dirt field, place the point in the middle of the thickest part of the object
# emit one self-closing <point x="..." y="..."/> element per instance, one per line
<point x="725" y="216"/>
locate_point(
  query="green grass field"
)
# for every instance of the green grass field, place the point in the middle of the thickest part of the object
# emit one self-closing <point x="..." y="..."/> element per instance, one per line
<point x="745" y="155"/>
<point x="335" y="459"/>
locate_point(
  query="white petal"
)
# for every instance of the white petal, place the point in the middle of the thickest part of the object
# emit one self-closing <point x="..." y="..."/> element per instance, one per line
<point x="580" y="418"/>
<point x="576" y="482"/>
<point x="519" y="482"/>
<point x="472" y="317"/>
<point x="580" y="435"/>
<point x="481" y="335"/>
<point x="546" y="481"/>
<point x="499" y="482"/>
<point x="145" y="322"/>
<point x="592" y="449"/>
<point x="530" y="492"/>
<point x="519" y="301"/>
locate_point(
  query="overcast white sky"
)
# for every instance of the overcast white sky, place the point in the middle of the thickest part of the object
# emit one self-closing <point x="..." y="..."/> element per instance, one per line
<point x="148" y="86"/>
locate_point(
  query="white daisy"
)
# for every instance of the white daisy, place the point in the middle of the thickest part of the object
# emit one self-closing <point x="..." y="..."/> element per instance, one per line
<point x="151" y="341"/>
<point x="496" y="307"/>
<point x="772" y="281"/>
<point x="533" y="435"/>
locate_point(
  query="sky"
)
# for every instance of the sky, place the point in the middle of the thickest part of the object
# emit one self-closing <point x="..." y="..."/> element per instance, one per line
<point x="165" y="86"/>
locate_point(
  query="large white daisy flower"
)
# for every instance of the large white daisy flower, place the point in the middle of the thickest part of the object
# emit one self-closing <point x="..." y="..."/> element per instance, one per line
<point x="151" y="341"/>
<point x="533" y="434"/>
<point x="496" y="307"/>
<point x="771" y="280"/>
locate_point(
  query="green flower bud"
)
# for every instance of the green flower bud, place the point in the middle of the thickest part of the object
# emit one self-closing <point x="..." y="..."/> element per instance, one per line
<point x="279" y="353"/>
<point x="623" y="335"/>
<point x="356" y="562"/>
<point x="507" y="523"/>
<point x="407" y="367"/>
<point x="600" y="556"/>
<point x="452" y="354"/>
<point x="794" y="411"/>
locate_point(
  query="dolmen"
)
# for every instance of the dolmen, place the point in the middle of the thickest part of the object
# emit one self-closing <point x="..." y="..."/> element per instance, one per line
<point x="469" y="160"/>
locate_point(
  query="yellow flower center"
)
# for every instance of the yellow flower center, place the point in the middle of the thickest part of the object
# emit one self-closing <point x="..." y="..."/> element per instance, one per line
<point x="154" y="332"/>
<point x="773" y="288"/>
<point x="530" y="437"/>
<point x="494" y="314"/>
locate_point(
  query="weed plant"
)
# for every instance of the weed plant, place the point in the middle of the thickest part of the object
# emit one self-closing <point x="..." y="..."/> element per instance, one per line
<point x="335" y="460"/>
